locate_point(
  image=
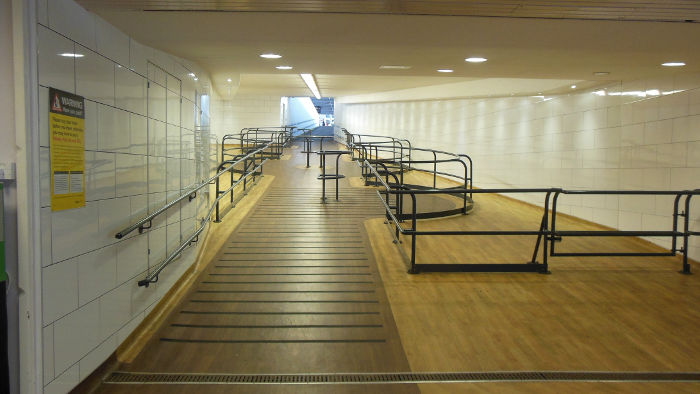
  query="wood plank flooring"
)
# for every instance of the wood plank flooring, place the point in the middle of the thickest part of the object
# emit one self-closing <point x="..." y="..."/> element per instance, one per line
<point x="295" y="289"/>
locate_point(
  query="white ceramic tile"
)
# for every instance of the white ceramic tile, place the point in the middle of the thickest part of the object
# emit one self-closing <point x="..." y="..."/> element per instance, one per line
<point x="94" y="76"/>
<point x="693" y="155"/>
<point x="157" y="138"/>
<point x="131" y="174"/>
<point x="54" y="70"/>
<point x="173" y="108"/>
<point x="172" y="84"/>
<point x="73" y="231"/>
<point x="188" y="114"/>
<point x="97" y="273"/>
<point x="75" y="335"/>
<point x="45" y="236"/>
<point x="138" y="57"/>
<point x="115" y="215"/>
<point x="111" y="42"/>
<point x="73" y="21"/>
<point x="659" y="132"/>
<point x="139" y="134"/>
<point x="156" y="102"/>
<point x="48" y="353"/>
<point x="115" y="310"/>
<point x="132" y="257"/>
<point x="43" y="116"/>
<point x="130" y="91"/>
<point x="112" y="129"/>
<point x="97" y="356"/>
<point x="156" y="174"/>
<point x="90" y="125"/>
<point x="139" y="207"/>
<point x="173" y="213"/>
<point x="59" y="289"/>
<point x="124" y="332"/>
<point x="100" y="175"/>
<point x="65" y="382"/>
<point x="45" y="176"/>
<point x="173" y="141"/>
<point x="173" y="174"/>
<point x="173" y="237"/>
<point x="42" y="14"/>
<point x="157" y="245"/>
<point x="671" y="155"/>
<point x="155" y="202"/>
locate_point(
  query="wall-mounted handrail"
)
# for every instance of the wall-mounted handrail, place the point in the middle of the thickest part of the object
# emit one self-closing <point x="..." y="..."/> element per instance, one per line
<point x="190" y="194"/>
<point x="152" y="277"/>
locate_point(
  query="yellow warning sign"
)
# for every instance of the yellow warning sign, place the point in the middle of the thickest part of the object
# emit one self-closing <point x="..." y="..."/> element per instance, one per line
<point x="67" y="132"/>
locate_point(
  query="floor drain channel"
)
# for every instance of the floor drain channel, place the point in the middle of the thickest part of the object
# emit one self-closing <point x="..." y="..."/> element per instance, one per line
<point x="399" y="378"/>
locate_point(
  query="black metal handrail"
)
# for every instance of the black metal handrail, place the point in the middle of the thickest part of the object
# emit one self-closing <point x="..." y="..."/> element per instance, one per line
<point x="254" y="136"/>
<point x="546" y="234"/>
<point x="152" y="277"/>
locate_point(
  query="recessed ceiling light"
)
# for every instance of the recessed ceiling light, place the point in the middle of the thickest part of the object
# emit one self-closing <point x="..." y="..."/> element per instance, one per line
<point x="191" y="75"/>
<point x="673" y="64"/>
<point x="71" y="54"/>
<point x="228" y="80"/>
<point x="573" y="86"/>
<point x="475" y="59"/>
<point x="196" y="79"/>
<point x="284" y="67"/>
<point x="445" y="70"/>
<point x="394" y="67"/>
<point x="601" y="73"/>
<point x="270" y="56"/>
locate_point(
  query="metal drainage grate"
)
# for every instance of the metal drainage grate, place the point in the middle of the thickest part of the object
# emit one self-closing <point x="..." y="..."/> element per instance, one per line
<point x="398" y="378"/>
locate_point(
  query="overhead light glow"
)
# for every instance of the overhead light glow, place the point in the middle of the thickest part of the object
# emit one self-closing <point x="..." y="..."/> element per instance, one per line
<point x="284" y="67"/>
<point x="445" y="70"/>
<point x="573" y="86"/>
<point x="191" y="75"/>
<point x="196" y="79"/>
<point x="601" y="73"/>
<point x="390" y="67"/>
<point x="673" y="64"/>
<point x="270" y="56"/>
<point x="475" y="59"/>
<point x="71" y="54"/>
<point x="228" y="80"/>
<point x="309" y="80"/>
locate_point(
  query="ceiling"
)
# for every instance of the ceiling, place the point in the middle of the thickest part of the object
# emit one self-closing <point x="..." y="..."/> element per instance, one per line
<point x="345" y="49"/>
<point x="659" y="10"/>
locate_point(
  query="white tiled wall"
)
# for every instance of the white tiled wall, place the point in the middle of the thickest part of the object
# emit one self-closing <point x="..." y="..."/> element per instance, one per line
<point x="140" y="142"/>
<point x="648" y="138"/>
<point x="247" y="111"/>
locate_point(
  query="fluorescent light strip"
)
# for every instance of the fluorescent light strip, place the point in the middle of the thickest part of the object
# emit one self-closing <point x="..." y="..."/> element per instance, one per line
<point x="284" y="67"/>
<point x="270" y="56"/>
<point x="475" y="59"/>
<point x="71" y="54"/>
<point x="445" y="70"/>
<point x="309" y="80"/>
<point x="673" y="64"/>
<point x="394" y="67"/>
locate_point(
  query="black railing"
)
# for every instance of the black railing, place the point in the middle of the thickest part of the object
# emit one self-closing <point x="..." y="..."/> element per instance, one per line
<point x="251" y="138"/>
<point x="547" y="234"/>
<point x="253" y="164"/>
<point x="398" y="157"/>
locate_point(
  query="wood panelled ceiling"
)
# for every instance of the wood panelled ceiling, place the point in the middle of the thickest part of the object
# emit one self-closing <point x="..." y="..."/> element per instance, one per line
<point x="650" y="10"/>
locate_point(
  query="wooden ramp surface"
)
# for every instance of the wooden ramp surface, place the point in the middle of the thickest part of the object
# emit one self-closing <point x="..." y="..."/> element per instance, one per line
<point x="295" y="289"/>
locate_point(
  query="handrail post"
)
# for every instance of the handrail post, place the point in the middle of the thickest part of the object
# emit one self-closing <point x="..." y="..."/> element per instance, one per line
<point x="686" y="225"/>
<point x="414" y="225"/>
<point x="674" y="242"/>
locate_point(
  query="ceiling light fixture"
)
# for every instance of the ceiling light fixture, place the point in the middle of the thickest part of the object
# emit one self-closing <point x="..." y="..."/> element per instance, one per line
<point x="573" y="86"/>
<point x="394" y="67"/>
<point x="445" y="70"/>
<point x="673" y="64"/>
<point x="270" y="56"/>
<point x="601" y="73"/>
<point x="284" y="67"/>
<point x="228" y="80"/>
<point x="71" y="54"/>
<point x="475" y="59"/>
<point x="191" y="75"/>
<point x="196" y="79"/>
<point x="311" y="84"/>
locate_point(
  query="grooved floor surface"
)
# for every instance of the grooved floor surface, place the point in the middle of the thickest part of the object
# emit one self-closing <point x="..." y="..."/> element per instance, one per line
<point x="295" y="289"/>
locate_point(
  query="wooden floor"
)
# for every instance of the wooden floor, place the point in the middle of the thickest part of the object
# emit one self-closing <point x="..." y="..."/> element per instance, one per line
<point x="305" y="287"/>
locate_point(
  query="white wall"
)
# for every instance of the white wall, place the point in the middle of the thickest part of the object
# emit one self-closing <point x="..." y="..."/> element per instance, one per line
<point x="302" y="112"/>
<point x="243" y="111"/>
<point x="577" y="141"/>
<point x="140" y="153"/>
